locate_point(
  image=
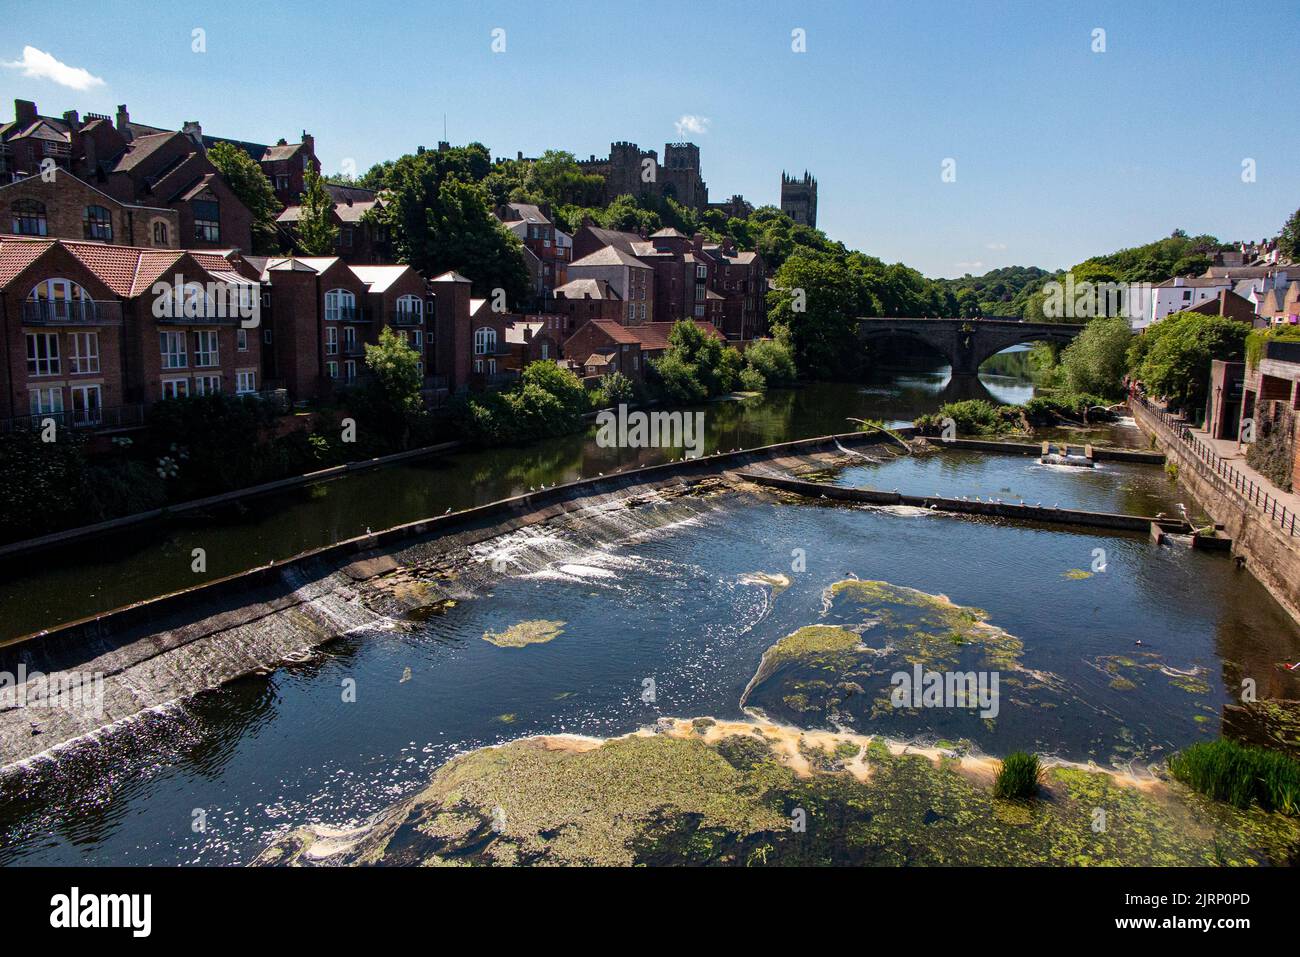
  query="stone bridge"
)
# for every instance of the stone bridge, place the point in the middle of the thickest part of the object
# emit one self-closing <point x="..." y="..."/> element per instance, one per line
<point x="966" y="343"/>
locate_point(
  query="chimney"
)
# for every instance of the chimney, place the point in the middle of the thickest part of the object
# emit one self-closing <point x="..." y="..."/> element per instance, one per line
<point x="123" y="118"/>
<point x="309" y="142"/>
<point x="24" y="112"/>
<point x="194" y="131"/>
<point x="73" y="119"/>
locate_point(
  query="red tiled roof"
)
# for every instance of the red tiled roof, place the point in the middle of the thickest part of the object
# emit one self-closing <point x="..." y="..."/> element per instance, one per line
<point x="618" y="333"/>
<point x="126" y="270"/>
<point x="17" y="254"/>
<point x="653" y="336"/>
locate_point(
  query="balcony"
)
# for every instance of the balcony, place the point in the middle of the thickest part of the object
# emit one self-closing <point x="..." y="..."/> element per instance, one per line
<point x="346" y="314"/>
<point x="76" y="312"/>
<point x="405" y="319"/>
<point x="117" y="417"/>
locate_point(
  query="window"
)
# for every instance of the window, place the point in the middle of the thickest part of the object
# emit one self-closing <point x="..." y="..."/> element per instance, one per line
<point x="410" y="308"/>
<point x="340" y="305"/>
<point x="345" y="237"/>
<point x="331" y="341"/>
<point x="241" y="340"/>
<point x="29" y="217"/>
<point x="245" y="381"/>
<point x="332" y="370"/>
<point x="699" y="291"/>
<point x="45" y="401"/>
<point x="419" y="367"/>
<point x="206" y="350"/>
<point x="172" y="348"/>
<point x="306" y="162"/>
<point x="701" y="272"/>
<point x="85" y="352"/>
<point x="87" y="405"/>
<point x="349" y="339"/>
<point x="207" y="384"/>
<point x="175" y="388"/>
<point x="417" y="338"/>
<point x="478" y="365"/>
<point x="160" y="234"/>
<point x="97" y="223"/>
<point x="485" y="341"/>
<point x="699" y="311"/>
<point x="43" y="353"/>
<point x="546" y="350"/>
<point x="350" y="370"/>
<point x="207" y="220"/>
<point x="282" y="182"/>
<point x="59" y="300"/>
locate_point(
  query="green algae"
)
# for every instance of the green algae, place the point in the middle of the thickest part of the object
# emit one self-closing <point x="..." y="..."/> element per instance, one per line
<point x="1076" y="574"/>
<point x="735" y="800"/>
<point x="526" y="633"/>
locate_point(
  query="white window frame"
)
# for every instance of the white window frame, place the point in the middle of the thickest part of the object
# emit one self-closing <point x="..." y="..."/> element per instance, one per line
<point x="332" y="370"/>
<point x="45" y="401"/>
<point x="245" y="382"/>
<point x="175" y="388"/>
<point x="87" y="415"/>
<point x="485" y="341"/>
<point x="207" y="358"/>
<point x="241" y="340"/>
<point x="331" y="340"/>
<point x="207" y="384"/>
<point x="336" y="301"/>
<point x="409" y="305"/>
<point x="43" y="362"/>
<point x="84" y="358"/>
<point x="350" y="370"/>
<point x="172" y="357"/>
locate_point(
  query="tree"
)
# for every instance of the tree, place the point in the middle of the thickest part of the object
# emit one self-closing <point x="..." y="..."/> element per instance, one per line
<point x="254" y="191"/>
<point x="317" y="231"/>
<point x="1095" y="362"/>
<point x="1173" y="356"/>
<point x="814" y="311"/>
<point x="1288" y="242"/>
<point x="441" y="218"/>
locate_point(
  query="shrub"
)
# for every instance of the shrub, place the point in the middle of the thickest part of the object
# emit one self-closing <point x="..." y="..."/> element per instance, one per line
<point x="751" y="380"/>
<point x="773" y="360"/>
<point x="548" y="401"/>
<point x="615" y="388"/>
<point x="1018" y="776"/>
<point x="1240" y="774"/>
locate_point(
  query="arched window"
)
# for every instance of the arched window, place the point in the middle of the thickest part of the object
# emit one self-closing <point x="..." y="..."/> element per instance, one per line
<point x="29" y="217"/>
<point x="58" y="300"/>
<point x="410" y="309"/>
<point x="485" y="341"/>
<point x="340" y="306"/>
<point x="97" y="222"/>
<point x="159" y="233"/>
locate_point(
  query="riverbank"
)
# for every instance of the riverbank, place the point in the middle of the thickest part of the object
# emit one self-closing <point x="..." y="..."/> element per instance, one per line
<point x="1262" y="537"/>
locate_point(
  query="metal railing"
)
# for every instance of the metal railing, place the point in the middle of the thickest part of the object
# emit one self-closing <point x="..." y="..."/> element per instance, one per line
<point x="72" y="312"/>
<point x="401" y="318"/>
<point x="114" y="417"/>
<point x="1282" y="350"/>
<point x="1218" y="472"/>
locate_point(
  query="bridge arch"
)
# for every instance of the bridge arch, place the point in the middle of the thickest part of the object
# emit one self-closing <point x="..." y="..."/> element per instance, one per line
<point x="967" y="343"/>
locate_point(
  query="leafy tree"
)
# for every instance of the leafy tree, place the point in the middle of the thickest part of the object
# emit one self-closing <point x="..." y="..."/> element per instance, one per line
<point x="773" y="361"/>
<point x="1095" y="362"/>
<point x="814" y="311"/>
<point x="1288" y="241"/>
<point x="547" y="401"/>
<point x="254" y="191"/>
<point x="317" y="231"/>
<point x="440" y="218"/>
<point x="1172" y="358"/>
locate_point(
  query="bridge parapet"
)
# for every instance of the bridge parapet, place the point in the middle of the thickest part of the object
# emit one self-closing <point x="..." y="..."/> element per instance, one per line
<point x="967" y="343"/>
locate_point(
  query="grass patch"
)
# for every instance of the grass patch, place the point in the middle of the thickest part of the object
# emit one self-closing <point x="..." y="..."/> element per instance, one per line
<point x="1018" y="776"/>
<point x="1240" y="774"/>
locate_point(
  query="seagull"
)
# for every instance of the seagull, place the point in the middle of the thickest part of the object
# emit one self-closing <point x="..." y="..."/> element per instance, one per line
<point x="448" y="512"/>
<point x="531" y="489"/>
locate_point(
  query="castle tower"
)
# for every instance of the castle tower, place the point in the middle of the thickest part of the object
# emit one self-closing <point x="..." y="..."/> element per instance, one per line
<point x="799" y="198"/>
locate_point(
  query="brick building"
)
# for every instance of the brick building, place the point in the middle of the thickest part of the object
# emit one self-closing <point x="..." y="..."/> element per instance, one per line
<point x="579" y="301"/>
<point x="93" y="332"/>
<point x="552" y="249"/>
<point x="360" y="238"/>
<point x="629" y="277"/>
<point x="65" y="207"/>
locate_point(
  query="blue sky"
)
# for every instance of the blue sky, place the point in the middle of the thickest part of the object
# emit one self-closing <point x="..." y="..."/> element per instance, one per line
<point x="1060" y="152"/>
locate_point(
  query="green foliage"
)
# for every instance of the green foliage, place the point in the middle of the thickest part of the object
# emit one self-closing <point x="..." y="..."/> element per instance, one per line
<point x="317" y="232"/>
<point x="773" y="361"/>
<point x="1095" y="362"/>
<point x="751" y="380"/>
<point x="213" y="441"/>
<point x="1257" y="338"/>
<point x="1240" y="774"/>
<point x="395" y="366"/>
<point x="1172" y="357"/>
<point x="254" y="190"/>
<point x="42" y="484"/>
<point x="1051" y="409"/>
<point x="547" y="401"/>
<point x="696" y="365"/>
<point x="440" y="218"/>
<point x="1272" y="454"/>
<point x="1018" y="777"/>
<point x="999" y="292"/>
<point x="1288" y="241"/>
<point x="972" y="417"/>
<point x="615" y="388"/>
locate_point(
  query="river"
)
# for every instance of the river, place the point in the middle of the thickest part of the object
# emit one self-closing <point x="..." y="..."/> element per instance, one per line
<point x="1120" y="658"/>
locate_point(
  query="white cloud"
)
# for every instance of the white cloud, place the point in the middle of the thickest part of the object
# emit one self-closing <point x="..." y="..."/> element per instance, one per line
<point x="975" y="267"/>
<point x="996" y="247"/>
<point x="43" y="66"/>
<point x="692" y="124"/>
